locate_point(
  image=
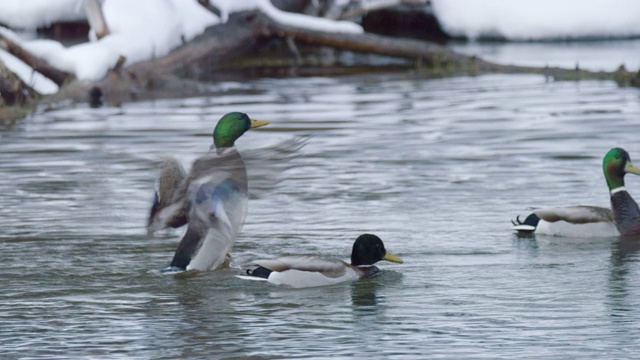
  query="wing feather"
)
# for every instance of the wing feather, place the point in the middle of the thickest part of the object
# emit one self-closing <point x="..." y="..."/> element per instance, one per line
<point x="164" y="212"/>
<point x="266" y="166"/>
<point x="576" y="214"/>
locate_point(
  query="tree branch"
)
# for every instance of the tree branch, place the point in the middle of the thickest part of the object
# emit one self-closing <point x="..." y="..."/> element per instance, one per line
<point x="57" y="76"/>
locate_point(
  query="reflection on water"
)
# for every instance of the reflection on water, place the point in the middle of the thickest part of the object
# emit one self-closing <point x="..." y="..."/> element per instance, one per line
<point x="437" y="168"/>
<point x="622" y="299"/>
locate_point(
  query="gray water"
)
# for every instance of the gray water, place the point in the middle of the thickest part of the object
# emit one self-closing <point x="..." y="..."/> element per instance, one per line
<point x="436" y="168"/>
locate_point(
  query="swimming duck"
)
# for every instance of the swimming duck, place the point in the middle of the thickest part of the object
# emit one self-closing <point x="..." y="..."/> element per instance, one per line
<point x="211" y="199"/>
<point x="623" y="219"/>
<point x="311" y="271"/>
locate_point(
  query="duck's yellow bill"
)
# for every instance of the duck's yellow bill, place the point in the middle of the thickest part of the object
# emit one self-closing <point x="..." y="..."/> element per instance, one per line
<point x="630" y="169"/>
<point x="257" y="123"/>
<point x="393" y="258"/>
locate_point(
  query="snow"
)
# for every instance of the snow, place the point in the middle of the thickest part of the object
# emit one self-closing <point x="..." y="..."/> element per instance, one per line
<point x="287" y="18"/>
<point x="139" y="29"/>
<point x="34" y="79"/>
<point x="539" y="19"/>
<point x="31" y="14"/>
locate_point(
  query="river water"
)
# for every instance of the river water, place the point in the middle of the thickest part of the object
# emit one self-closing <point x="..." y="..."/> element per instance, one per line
<point x="435" y="167"/>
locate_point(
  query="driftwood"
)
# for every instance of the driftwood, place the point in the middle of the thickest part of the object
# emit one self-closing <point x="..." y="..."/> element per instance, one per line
<point x="57" y="76"/>
<point x="221" y="45"/>
<point x="228" y="46"/>
<point x="224" y="43"/>
<point x="208" y="52"/>
<point x="433" y="57"/>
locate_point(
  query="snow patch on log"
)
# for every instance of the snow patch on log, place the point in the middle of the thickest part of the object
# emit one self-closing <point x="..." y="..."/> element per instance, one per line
<point x="287" y="18"/>
<point x="37" y="81"/>
<point x="139" y="30"/>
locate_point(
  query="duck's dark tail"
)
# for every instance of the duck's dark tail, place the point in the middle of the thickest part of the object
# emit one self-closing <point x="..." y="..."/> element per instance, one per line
<point x="260" y="272"/>
<point x="528" y="225"/>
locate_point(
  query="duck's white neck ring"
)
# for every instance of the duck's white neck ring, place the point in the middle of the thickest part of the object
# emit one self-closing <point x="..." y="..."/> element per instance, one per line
<point x="617" y="190"/>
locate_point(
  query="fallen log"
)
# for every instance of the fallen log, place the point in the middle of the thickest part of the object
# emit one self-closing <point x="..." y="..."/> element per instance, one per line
<point x="429" y="56"/>
<point x="228" y="46"/>
<point x="57" y="76"/>
<point x="207" y="52"/>
<point x="223" y="44"/>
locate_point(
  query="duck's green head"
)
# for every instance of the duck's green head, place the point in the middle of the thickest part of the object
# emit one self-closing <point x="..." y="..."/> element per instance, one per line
<point x="615" y="165"/>
<point x="231" y="126"/>
<point x="369" y="249"/>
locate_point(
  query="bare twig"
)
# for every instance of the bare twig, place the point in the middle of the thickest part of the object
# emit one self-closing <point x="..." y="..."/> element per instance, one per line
<point x="93" y="9"/>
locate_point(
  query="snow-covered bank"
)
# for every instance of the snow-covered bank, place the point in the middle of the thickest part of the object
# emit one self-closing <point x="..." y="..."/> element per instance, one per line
<point x="139" y="30"/>
<point x="146" y="29"/>
<point x="539" y="19"/>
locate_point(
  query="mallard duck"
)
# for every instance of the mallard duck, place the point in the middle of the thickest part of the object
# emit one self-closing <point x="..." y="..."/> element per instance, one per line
<point x="311" y="271"/>
<point x="264" y="167"/>
<point x="623" y="219"/>
<point x="211" y="199"/>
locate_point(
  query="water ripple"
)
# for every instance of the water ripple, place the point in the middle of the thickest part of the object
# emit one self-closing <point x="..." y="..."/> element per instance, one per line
<point x="436" y="167"/>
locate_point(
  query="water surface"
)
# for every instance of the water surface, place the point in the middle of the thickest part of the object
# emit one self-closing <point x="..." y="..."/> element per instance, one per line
<point x="436" y="168"/>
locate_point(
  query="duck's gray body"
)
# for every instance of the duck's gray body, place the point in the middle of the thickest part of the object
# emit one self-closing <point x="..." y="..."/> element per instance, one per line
<point x="623" y="219"/>
<point x="212" y="200"/>
<point x="309" y="271"/>
<point x="583" y="221"/>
